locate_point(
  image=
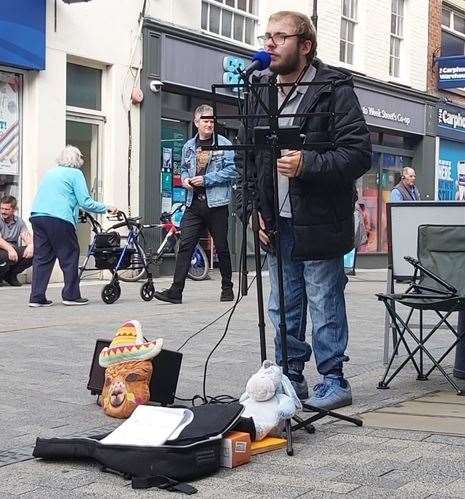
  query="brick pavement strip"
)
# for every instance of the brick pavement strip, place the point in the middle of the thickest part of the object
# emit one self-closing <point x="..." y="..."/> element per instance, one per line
<point x="44" y="367"/>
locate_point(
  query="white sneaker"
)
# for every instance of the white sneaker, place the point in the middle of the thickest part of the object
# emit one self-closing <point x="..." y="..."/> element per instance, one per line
<point x="46" y="303"/>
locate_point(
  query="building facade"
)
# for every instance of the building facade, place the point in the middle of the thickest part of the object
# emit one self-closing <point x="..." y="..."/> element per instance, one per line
<point x="388" y="60"/>
<point x="446" y="80"/>
<point x="97" y="53"/>
<point x="79" y="96"/>
<point x="385" y="44"/>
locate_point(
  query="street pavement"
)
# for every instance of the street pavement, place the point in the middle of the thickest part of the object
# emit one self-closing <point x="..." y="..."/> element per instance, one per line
<point x="44" y="367"/>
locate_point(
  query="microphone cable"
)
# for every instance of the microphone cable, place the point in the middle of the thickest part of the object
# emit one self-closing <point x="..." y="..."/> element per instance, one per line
<point x="204" y="398"/>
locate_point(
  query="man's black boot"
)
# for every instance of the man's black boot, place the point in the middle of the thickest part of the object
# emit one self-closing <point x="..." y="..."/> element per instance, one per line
<point x="169" y="295"/>
<point x="13" y="281"/>
<point x="227" y="294"/>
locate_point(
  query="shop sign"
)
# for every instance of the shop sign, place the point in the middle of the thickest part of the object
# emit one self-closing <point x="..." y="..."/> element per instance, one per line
<point x="454" y="120"/>
<point x="386" y="114"/>
<point x="9" y="124"/>
<point x="392" y="112"/>
<point x="451" y="72"/>
<point x="231" y="75"/>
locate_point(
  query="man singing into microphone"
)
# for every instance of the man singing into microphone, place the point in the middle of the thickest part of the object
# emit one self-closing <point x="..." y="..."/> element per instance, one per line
<point x="316" y="198"/>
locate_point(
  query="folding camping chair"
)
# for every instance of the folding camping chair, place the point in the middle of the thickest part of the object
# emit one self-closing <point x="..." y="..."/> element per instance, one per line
<point x="439" y="286"/>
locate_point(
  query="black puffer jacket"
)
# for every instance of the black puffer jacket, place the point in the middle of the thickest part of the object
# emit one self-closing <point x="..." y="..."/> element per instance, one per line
<point x="322" y="197"/>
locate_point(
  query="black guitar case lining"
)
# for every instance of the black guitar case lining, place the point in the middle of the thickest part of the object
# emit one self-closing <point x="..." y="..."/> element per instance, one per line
<point x="194" y="454"/>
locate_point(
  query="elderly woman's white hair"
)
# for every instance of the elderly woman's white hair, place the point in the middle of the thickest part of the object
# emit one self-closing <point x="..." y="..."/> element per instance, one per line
<point x="71" y="157"/>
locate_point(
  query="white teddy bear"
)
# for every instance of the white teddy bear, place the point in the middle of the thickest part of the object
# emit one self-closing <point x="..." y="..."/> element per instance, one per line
<point x="269" y="399"/>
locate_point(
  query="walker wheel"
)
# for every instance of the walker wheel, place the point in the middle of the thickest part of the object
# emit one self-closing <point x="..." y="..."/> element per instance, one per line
<point x="110" y="293"/>
<point x="147" y="291"/>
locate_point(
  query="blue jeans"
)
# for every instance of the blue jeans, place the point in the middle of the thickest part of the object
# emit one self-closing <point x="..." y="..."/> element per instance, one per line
<point x="318" y="284"/>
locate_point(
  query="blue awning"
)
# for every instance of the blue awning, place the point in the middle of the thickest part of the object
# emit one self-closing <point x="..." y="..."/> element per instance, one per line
<point x="22" y="33"/>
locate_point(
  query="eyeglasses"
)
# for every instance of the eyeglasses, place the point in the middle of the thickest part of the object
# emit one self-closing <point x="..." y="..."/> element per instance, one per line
<point x="277" y="39"/>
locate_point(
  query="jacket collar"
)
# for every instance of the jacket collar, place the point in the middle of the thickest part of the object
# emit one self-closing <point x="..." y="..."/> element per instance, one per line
<point x="325" y="78"/>
<point x="191" y="142"/>
<point x="407" y="194"/>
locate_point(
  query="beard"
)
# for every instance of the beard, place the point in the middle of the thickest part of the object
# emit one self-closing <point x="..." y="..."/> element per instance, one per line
<point x="286" y="66"/>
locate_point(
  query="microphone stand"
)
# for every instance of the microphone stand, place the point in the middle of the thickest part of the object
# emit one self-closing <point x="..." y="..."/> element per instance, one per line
<point x="243" y="269"/>
<point x="249" y="189"/>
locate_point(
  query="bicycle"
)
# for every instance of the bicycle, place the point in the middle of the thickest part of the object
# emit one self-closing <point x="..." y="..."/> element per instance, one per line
<point x="198" y="270"/>
<point x="109" y="254"/>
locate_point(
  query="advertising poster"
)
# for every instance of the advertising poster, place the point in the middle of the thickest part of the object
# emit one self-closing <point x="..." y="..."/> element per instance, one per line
<point x="177" y="182"/>
<point x="166" y="202"/>
<point x="178" y="141"/>
<point x="178" y="212"/>
<point x="167" y="158"/>
<point x="9" y="124"/>
<point x="450" y="171"/>
<point x="166" y="182"/>
<point x="179" y="195"/>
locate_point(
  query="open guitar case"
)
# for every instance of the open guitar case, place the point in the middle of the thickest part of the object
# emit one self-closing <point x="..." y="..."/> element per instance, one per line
<point x="194" y="454"/>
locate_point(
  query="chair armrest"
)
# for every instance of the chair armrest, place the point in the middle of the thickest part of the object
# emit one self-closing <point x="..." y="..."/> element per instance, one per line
<point x="417" y="265"/>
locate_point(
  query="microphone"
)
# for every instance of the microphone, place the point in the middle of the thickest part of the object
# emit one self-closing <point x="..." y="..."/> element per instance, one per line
<point x="261" y="60"/>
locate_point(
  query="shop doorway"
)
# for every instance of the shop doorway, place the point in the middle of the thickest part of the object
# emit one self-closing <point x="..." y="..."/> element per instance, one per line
<point x="86" y="135"/>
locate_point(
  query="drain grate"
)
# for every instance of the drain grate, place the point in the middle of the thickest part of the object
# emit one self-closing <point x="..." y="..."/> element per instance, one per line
<point x="12" y="456"/>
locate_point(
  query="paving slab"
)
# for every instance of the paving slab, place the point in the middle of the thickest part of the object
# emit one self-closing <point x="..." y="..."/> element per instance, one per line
<point x="44" y="368"/>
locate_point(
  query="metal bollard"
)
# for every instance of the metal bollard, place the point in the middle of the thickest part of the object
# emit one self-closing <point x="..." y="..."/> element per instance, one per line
<point x="459" y="367"/>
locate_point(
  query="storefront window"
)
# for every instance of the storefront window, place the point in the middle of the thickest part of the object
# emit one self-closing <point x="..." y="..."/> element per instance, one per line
<point x="176" y="128"/>
<point x="374" y="190"/>
<point x="368" y="200"/>
<point x="173" y="137"/>
<point x="391" y="171"/>
<point x="10" y="134"/>
<point x="450" y="171"/>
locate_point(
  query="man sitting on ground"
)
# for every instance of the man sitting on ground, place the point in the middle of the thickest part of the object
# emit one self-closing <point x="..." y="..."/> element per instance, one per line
<point x="14" y="257"/>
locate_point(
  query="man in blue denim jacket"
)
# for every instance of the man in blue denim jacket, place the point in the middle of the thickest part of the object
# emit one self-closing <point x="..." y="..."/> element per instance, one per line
<point x="208" y="177"/>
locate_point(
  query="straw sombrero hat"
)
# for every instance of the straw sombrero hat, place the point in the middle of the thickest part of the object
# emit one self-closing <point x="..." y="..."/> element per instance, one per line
<point x="129" y="345"/>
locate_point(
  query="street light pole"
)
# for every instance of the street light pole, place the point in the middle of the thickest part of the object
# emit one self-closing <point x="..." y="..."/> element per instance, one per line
<point x="315" y="13"/>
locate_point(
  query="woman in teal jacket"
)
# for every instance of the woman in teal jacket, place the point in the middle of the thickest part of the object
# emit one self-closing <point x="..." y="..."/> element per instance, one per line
<point x="54" y="215"/>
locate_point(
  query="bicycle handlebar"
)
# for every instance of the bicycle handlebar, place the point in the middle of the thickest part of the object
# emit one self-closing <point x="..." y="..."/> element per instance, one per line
<point x="124" y="221"/>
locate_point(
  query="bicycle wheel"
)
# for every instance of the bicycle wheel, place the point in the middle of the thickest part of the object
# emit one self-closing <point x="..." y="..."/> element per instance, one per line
<point x="198" y="271"/>
<point x="136" y="269"/>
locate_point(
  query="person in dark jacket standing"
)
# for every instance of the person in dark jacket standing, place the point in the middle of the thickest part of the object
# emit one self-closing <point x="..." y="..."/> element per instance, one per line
<point x="316" y="197"/>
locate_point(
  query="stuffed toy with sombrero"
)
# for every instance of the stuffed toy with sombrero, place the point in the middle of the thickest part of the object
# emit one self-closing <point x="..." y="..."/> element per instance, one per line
<point x="128" y="370"/>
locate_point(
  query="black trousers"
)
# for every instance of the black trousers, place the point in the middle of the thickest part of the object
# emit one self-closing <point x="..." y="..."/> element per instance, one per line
<point x="54" y="238"/>
<point x="10" y="270"/>
<point x="198" y="217"/>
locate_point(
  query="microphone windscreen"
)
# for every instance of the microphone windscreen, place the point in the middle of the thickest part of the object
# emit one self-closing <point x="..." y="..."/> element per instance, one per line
<point x="263" y="58"/>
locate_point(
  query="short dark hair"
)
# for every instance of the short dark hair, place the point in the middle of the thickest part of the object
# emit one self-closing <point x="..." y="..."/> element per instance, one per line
<point x="9" y="200"/>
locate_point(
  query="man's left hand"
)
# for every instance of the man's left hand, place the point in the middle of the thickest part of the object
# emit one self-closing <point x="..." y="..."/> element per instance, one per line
<point x="290" y="165"/>
<point x="197" y="181"/>
<point x="28" y="252"/>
